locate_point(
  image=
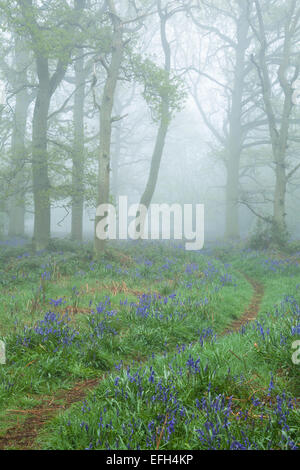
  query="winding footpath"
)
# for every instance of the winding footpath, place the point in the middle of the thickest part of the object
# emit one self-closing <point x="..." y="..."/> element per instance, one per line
<point x="23" y="436"/>
<point x="252" y="310"/>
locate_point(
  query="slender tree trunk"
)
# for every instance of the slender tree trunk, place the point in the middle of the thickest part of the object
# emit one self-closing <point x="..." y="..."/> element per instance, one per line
<point x="16" y="202"/>
<point x="147" y="196"/>
<point x="106" y="109"/>
<point x="235" y="138"/>
<point x="232" y="194"/>
<point x="116" y="159"/>
<point x="41" y="185"/>
<point x="78" y="152"/>
<point x="156" y="157"/>
<point x="280" y="144"/>
<point x="279" y="197"/>
<point x="119" y="107"/>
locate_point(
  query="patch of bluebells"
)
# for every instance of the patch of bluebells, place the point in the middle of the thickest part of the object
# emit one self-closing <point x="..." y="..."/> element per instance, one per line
<point x="115" y="270"/>
<point x="227" y="279"/>
<point x="191" y="268"/>
<point x="14" y="242"/>
<point x="6" y="385"/>
<point x="53" y="331"/>
<point x="211" y="271"/>
<point x="57" y="302"/>
<point x="46" y="276"/>
<point x="269" y="334"/>
<point x="262" y="330"/>
<point x="164" y="308"/>
<point x="281" y="266"/>
<point x="168" y="263"/>
<point x="99" y="320"/>
<point x="207" y="334"/>
<point x="209" y="421"/>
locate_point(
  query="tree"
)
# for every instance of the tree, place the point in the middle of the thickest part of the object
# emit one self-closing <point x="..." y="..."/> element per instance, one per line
<point x="18" y="149"/>
<point x="106" y="108"/>
<point x="233" y="134"/>
<point x="121" y="36"/>
<point x="78" y="143"/>
<point x="279" y="115"/>
<point x="50" y="34"/>
<point x="164" y="92"/>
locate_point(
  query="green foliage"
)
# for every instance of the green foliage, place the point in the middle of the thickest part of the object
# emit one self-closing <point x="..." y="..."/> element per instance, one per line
<point x="267" y="235"/>
<point x="293" y="247"/>
<point x="160" y="88"/>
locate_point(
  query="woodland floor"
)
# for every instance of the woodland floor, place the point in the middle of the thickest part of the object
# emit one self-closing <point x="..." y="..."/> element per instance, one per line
<point x="248" y="288"/>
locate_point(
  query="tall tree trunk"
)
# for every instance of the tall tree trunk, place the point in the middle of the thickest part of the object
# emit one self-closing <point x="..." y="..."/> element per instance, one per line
<point x="116" y="160"/>
<point x="279" y="134"/>
<point x="41" y="185"/>
<point x="119" y="108"/>
<point x="280" y="145"/>
<point x="47" y="85"/>
<point x="18" y="151"/>
<point x="78" y="151"/>
<point x="147" y="196"/>
<point x="280" y="197"/>
<point x="232" y="231"/>
<point x="156" y="157"/>
<point x="106" y="109"/>
<point x="235" y="138"/>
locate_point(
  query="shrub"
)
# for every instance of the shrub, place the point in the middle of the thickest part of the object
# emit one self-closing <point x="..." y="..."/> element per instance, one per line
<point x="267" y="235"/>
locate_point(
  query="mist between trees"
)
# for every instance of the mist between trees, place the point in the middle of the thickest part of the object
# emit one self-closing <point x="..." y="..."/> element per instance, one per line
<point x="186" y="102"/>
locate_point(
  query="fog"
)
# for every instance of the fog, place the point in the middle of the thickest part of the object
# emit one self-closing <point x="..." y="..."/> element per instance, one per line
<point x="167" y="102"/>
<point x="149" y="226"/>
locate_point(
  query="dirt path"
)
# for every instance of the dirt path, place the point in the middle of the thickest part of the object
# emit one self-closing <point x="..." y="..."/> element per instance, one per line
<point x="24" y="435"/>
<point x="252" y="310"/>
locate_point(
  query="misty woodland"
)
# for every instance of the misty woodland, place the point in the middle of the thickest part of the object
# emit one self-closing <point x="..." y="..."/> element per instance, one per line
<point x="182" y="117"/>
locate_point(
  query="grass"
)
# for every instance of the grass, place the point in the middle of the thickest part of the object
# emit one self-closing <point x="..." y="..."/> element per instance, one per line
<point x="147" y="320"/>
